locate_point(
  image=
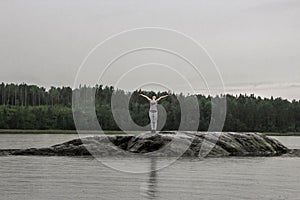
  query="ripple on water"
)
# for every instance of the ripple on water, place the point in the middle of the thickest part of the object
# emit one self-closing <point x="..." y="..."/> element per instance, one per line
<point x="85" y="178"/>
<point x="29" y="177"/>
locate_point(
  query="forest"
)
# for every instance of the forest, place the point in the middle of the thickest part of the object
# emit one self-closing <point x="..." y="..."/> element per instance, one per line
<point x="24" y="106"/>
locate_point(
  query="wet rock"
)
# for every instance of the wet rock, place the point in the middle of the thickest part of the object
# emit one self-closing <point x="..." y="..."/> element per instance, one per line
<point x="293" y="153"/>
<point x="186" y="144"/>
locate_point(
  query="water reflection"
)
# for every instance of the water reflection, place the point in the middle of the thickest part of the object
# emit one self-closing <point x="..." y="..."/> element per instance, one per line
<point x="150" y="188"/>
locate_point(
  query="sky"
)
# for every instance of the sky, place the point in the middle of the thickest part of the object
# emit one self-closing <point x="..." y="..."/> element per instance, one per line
<point x="244" y="46"/>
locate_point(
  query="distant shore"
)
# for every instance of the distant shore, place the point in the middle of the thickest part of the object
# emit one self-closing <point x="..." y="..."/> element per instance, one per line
<point x="20" y="131"/>
<point x="283" y="134"/>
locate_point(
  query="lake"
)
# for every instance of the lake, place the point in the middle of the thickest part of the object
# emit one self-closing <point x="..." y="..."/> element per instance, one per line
<point x="38" y="178"/>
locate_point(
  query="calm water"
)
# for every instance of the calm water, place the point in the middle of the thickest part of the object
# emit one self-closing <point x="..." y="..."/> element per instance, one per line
<point x="85" y="178"/>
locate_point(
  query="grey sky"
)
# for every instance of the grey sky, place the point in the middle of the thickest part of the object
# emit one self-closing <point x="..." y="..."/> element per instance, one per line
<point x="255" y="43"/>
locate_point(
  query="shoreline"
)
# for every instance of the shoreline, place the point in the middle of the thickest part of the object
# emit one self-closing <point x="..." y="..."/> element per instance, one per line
<point x="22" y="131"/>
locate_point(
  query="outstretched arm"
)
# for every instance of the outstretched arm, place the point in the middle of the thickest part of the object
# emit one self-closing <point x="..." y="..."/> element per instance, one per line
<point x="160" y="98"/>
<point x="145" y="97"/>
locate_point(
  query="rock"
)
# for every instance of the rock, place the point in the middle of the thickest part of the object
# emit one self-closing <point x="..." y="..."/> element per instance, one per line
<point x="186" y="144"/>
<point x="293" y="153"/>
<point x="7" y="152"/>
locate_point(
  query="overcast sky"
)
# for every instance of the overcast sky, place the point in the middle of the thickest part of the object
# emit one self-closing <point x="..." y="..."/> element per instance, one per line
<point x="254" y="43"/>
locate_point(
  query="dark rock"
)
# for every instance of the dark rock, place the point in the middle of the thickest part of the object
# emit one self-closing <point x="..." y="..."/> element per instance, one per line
<point x="188" y="144"/>
<point x="7" y="152"/>
<point x="293" y="153"/>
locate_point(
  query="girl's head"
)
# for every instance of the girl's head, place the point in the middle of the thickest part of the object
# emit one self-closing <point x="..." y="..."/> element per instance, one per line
<point x="153" y="97"/>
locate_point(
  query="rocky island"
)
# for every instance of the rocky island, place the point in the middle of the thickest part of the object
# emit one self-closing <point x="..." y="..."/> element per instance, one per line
<point x="185" y="144"/>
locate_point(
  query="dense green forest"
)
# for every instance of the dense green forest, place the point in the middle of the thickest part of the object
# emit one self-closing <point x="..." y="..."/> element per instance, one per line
<point x="31" y="107"/>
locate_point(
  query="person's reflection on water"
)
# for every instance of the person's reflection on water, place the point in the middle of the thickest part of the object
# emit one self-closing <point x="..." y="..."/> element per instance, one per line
<point x="150" y="191"/>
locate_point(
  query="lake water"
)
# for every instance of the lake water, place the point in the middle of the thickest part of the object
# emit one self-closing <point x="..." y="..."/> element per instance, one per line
<point x="38" y="178"/>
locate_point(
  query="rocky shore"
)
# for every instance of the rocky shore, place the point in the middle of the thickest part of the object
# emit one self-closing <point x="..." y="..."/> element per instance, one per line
<point x="185" y="144"/>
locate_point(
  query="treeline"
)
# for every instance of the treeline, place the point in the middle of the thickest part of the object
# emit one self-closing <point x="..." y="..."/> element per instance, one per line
<point x="31" y="107"/>
<point x="32" y="95"/>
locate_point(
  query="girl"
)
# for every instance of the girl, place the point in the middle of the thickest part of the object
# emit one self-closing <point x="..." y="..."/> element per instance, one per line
<point x="153" y="110"/>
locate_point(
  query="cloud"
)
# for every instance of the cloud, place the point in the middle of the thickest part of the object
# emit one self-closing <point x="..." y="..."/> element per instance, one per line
<point x="261" y="86"/>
